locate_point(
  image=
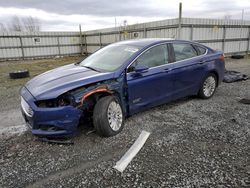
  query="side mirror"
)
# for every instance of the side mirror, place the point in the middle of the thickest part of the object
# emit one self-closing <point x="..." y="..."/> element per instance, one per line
<point x="141" y="68"/>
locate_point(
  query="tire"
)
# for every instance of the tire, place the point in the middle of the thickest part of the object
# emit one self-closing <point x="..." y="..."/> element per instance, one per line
<point x="19" y="74"/>
<point x="108" y="116"/>
<point x="208" y="86"/>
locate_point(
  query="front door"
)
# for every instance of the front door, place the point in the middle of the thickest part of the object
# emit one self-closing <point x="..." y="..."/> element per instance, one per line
<point x="154" y="86"/>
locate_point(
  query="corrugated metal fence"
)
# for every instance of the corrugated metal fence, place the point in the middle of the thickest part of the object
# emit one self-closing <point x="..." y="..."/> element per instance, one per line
<point x="230" y="36"/>
<point x="20" y="45"/>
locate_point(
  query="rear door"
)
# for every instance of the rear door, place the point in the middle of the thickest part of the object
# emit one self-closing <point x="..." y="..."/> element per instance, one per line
<point x="154" y="86"/>
<point x="189" y="68"/>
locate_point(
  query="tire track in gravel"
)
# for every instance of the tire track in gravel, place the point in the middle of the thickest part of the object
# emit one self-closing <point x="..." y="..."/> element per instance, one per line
<point x="76" y="169"/>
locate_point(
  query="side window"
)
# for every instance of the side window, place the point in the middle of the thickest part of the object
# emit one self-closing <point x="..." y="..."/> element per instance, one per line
<point x="184" y="51"/>
<point x="154" y="57"/>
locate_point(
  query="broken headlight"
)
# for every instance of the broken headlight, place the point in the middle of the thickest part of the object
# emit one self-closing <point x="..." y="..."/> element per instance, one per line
<point x="66" y="100"/>
<point x="63" y="100"/>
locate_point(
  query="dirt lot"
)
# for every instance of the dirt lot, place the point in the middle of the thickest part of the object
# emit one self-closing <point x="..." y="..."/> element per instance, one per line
<point x="193" y="143"/>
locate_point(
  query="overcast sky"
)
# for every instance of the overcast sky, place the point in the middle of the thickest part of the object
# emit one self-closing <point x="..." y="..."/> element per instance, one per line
<point x="66" y="15"/>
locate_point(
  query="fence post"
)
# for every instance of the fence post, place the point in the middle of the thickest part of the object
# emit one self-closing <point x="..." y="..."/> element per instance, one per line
<point x="21" y="44"/>
<point x="100" y="40"/>
<point x="58" y="46"/>
<point x="191" y="33"/>
<point x="81" y="48"/>
<point x="144" y="31"/>
<point x="224" y="38"/>
<point x="120" y="37"/>
<point x="248" y="41"/>
<point x="85" y="42"/>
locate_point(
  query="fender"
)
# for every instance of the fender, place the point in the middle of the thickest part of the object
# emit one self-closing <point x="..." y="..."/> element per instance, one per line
<point x="97" y="90"/>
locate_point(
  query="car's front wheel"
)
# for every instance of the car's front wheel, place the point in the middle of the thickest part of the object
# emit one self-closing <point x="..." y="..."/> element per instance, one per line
<point x="108" y="116"/>
<point x="208" y="86"/>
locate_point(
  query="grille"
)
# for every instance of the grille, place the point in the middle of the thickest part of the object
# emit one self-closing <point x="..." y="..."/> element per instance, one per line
<point x="26" y="108"/>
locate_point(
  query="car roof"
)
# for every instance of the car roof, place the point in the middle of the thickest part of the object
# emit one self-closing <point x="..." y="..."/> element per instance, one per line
<point x="151" y="41"/>
<point x="144" y="42"/>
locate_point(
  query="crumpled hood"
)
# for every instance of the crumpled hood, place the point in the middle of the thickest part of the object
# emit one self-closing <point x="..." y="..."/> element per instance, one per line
<point x="55" y="82"/>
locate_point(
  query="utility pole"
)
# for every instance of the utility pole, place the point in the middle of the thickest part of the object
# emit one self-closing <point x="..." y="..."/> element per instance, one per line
<point x="179" y="21"/>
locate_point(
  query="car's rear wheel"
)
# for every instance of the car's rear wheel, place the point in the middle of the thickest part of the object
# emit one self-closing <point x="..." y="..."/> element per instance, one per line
<point x="208" y="86"/>
<point x="108" y="116"/>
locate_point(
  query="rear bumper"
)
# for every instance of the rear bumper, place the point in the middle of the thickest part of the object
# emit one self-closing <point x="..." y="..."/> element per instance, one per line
<point x="50" y="122"/>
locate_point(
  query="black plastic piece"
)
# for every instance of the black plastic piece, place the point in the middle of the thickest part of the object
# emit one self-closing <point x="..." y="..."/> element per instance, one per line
<point x="54" y="141"/>
<point x="237" y="56"/>
<point x="245" y="101"/>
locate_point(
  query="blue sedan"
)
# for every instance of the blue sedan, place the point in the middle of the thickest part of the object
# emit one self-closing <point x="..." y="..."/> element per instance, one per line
<point x="118" y="81"/>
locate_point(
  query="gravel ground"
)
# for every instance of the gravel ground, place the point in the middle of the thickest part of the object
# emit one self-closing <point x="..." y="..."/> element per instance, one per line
<point x="193" y="143"/>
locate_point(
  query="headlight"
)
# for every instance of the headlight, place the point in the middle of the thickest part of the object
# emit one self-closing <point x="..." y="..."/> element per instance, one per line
<point x="63" y="100"/>
<point x="46" y="103"/>
<point x="26" y="108"/>
<point x="66" y="100"/>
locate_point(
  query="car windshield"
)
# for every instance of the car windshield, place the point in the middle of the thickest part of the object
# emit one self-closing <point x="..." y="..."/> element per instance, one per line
<point x="109" y="58"/>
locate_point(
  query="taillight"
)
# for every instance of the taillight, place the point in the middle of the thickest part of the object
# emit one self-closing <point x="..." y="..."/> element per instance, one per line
<point x="222" y="57"/>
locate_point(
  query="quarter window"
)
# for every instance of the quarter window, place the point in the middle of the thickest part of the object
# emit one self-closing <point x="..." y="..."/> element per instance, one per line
<point x="154" y="57"/>
<point x="184" y="51"/>
<point x="201" y="50"/>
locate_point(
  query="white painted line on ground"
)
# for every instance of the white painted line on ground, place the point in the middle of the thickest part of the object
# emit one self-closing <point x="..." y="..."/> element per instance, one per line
<point x="133" y="150"/>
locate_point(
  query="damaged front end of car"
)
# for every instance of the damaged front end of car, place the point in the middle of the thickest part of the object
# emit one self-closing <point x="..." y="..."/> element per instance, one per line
<point x="61" y="116"/>
<point x="53" y="117"/>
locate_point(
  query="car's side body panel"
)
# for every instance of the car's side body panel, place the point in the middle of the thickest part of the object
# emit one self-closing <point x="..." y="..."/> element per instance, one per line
<point x="152" y="87"/>
<point x="172" y="81"/>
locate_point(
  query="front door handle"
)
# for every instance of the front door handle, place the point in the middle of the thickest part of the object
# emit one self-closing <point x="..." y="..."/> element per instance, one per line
<point x="167" y="70"/>
<point x="202" y="61"/>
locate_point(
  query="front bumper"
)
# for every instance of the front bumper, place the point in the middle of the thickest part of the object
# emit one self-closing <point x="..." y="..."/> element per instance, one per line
<point x="50" y="122"/>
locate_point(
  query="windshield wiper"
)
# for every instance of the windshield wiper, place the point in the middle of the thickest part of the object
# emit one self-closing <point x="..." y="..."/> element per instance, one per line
<point x="91" y="68"/>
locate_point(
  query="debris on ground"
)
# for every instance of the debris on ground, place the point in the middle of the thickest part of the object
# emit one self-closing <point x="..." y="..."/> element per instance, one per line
<point x="237" y="56"/>
<point x="56" y="141"/>
<point x="245" y="101"/>
<point x="19" y="74"/>
<point x="131" y="153"/>
<point x="234" y="76"/>
<point x="90" y="132"/>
